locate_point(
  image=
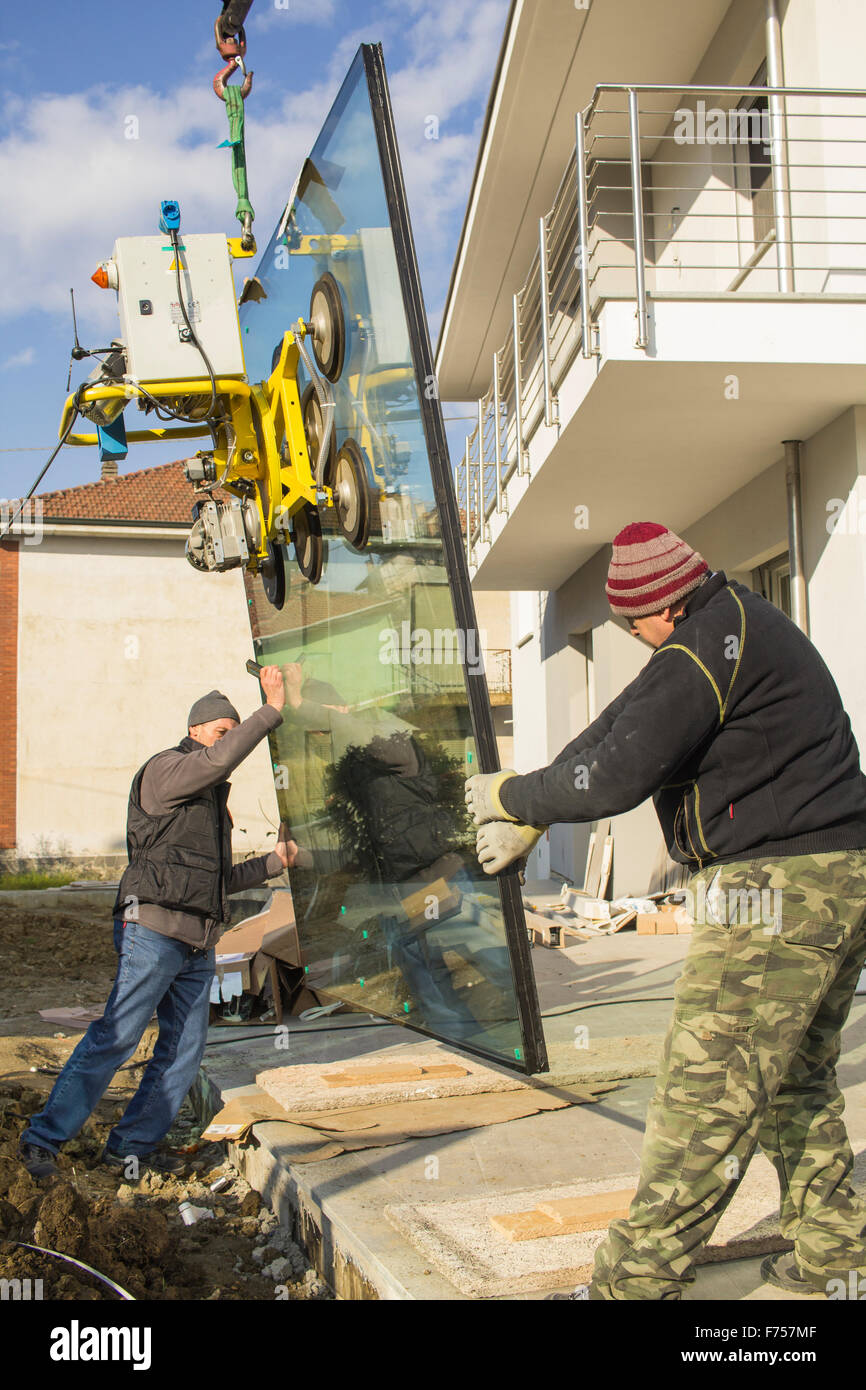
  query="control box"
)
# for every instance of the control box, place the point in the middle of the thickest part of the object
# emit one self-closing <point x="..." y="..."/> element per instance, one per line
<point x="151" y="322"/>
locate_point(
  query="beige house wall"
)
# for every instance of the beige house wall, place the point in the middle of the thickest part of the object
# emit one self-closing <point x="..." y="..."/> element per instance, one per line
<point x="117" y="638"/>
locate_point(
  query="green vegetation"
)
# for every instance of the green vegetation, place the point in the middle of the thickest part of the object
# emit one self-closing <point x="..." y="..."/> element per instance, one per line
<point x="17" y="882"/>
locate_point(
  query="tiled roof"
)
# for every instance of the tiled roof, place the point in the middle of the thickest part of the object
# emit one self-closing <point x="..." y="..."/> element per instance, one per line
<point x="147" y="496"/>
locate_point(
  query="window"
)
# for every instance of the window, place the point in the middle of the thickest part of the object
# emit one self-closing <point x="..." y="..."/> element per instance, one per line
<point x="773" y="580"/>
<point x="757" y="152"/>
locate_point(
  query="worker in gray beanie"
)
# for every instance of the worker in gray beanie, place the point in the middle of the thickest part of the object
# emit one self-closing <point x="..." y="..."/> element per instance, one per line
<point x="212" y="707"/>
<point x="170" y="908"/>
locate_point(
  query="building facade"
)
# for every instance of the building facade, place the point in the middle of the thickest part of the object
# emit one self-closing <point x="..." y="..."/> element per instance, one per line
<point x="658" y="305"/>
<point x="108" y="636"/>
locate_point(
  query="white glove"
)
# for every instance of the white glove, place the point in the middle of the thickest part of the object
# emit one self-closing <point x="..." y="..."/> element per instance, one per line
<point x="502" y="842"/>
<point x="482" y="796"/>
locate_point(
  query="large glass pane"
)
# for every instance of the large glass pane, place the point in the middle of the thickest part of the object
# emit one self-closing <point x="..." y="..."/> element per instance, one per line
<point x="385" y="679"/>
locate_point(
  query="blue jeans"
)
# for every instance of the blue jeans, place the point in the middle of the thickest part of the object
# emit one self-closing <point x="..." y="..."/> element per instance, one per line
<point x="154" y="973"/>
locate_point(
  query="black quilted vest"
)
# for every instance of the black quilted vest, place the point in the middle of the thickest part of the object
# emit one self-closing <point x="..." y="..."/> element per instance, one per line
<point x="180" y="861"/>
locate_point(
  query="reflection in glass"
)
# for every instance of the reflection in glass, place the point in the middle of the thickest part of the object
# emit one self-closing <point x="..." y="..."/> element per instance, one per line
<point x="394" y="913"/>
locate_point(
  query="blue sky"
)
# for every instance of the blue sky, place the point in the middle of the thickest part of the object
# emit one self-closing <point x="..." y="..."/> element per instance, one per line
<point x="74" y="180"/>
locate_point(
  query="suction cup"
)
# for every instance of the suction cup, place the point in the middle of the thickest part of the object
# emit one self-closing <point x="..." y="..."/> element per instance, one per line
<point x="308" y="543"/>
<point x="273" y="572"/>
<point x="328" y="325"/>
<point x="314" y="430"/>
<point x="352" y="495"/>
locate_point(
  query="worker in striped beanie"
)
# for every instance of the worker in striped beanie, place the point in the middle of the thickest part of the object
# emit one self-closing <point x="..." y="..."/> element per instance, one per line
<point x="651" y="568"/>
<point x="735" y="728"/>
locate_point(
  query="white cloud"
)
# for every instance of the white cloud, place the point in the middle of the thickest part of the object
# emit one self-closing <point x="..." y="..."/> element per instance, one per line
<point x="278" y="12"/>
<point x="25" y="358"/>
<point x="82" y="169"/>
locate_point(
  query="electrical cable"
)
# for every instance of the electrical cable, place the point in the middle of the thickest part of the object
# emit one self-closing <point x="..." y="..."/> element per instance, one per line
<point x="175" y="241"/>
<point x="58" y="1255"/>
<point x="606" y="1003"/>
<point x="63" y="438"/>
<point x="301" y="1032"/>
<point x="387" y="1023"/>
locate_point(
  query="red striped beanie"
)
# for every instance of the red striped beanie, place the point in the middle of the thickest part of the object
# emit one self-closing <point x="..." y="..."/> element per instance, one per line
<point x="650" y="568"/>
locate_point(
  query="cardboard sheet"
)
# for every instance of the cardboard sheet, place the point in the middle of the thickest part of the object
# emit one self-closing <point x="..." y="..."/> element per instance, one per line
<point x="270" y="935"/>
<point x="316" y="1135"/>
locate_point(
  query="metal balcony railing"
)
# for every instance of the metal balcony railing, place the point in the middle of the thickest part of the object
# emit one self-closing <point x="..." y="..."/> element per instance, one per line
<point x="449" y="674"/>
<point x="693" y="191"/>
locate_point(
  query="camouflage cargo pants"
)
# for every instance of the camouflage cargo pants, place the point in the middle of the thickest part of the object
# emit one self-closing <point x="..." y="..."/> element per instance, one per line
<point x="750" y="1059"/>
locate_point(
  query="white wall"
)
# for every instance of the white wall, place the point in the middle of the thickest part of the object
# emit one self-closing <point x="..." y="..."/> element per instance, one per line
<point x="748" y="528"/>
<point x="552" y="705"/>
<point x="751" y="526"/>
<point x="118" y="638"/>
<point x="834" y="526"/>
<point x="528" y="679"/>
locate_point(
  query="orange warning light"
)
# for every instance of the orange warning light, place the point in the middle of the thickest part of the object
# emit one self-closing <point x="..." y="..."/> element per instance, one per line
<point x="100" y="278"/>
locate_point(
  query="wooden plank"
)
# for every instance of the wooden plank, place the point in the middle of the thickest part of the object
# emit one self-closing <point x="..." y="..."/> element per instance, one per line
<point x="573" y="1214"/>
<point x="448" y="899"/>
<point x="542" y="930"/>
<point x="391" y="1074"/>
<point x="524" y="1225"/>
<point x="566" y="1217"/>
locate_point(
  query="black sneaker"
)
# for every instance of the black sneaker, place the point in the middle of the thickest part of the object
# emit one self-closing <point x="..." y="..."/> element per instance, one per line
<point x="783" y="1272"/>
<point x="40" y="1163"/>
<point x="166" y="1162"/>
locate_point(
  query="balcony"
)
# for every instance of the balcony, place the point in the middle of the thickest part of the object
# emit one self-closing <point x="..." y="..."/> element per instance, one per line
<point x="495" y="663"/>
<point x="687" y="224"/>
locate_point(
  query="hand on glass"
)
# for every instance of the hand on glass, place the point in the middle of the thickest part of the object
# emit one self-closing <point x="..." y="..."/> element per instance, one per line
<point x="273" y="685"/>
<point x="294" y="674"/>
<point x="288" y="851"/>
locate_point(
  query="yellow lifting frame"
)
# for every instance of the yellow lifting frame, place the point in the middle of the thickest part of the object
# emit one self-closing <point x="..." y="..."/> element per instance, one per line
<point x="270" y="445"/>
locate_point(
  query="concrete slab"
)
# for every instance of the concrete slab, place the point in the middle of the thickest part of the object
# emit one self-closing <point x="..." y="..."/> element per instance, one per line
<point x="336" y="1207"/>
<point x="461" y="1239"/>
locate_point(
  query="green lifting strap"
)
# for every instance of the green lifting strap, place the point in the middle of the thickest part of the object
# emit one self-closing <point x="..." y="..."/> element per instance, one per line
<point x="235" y="111"/>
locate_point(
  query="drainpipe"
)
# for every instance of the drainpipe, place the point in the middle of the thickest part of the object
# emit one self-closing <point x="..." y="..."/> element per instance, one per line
<point x="799" y="604"/>
<point x="779" y="150"/>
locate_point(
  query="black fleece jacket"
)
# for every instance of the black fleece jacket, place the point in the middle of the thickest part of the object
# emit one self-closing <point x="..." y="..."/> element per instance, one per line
<point x="735" y="727"/>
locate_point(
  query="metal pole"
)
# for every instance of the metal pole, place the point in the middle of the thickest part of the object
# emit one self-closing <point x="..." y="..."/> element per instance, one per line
<point x="583" y="233"/>
<point x="497" y="432"/>
<point x="468" y="507"/>
<point x="482" y="498"/>
<point x="551" y="414"/>
<point x="518" y="391"/>
<point x="637" y="195"/>
<point x="799" y="597"/>
<point x="779" y="151"/>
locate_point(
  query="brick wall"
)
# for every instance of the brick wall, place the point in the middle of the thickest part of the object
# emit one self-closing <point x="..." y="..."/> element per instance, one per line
<point x="8" y="691"/>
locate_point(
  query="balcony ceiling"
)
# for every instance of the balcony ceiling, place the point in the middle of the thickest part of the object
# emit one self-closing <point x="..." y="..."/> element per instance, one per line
<point x="554" y="54"/>
<point x="657" y="441"/>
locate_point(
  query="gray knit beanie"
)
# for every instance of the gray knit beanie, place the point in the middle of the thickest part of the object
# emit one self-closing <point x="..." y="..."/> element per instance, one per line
<point x="211" y="707"/>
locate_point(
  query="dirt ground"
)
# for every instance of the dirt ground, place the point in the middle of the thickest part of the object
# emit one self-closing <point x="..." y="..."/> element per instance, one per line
<point x="129" y="1231"/>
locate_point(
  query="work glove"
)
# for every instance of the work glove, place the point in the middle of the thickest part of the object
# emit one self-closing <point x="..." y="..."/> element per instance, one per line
<point x="482" y="796"/>
<point x="500" y="843"/>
